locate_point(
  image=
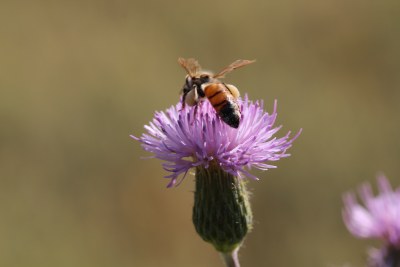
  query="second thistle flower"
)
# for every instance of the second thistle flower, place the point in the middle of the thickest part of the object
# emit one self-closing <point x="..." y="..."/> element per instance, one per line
<point x="378" y="218"/>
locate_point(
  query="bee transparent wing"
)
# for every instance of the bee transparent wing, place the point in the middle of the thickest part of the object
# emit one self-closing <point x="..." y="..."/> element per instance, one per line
<point x="191" y="65"/>
<point x="237" y="64"/>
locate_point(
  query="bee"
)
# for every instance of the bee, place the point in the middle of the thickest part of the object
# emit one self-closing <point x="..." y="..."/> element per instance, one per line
<point x="201" y="84"/>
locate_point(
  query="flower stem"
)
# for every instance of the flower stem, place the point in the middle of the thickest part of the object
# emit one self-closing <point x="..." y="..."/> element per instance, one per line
<point x="393" y="257"/>
<point x="231" y="258"/>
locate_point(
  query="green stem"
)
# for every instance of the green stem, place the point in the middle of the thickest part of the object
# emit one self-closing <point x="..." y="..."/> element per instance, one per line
<point x="231" y="259"/>
<point x="392" y="257"/>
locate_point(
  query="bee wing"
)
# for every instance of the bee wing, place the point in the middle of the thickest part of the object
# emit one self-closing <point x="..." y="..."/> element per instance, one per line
<point x="191" y="65"/>
<point x="237" y="64"/>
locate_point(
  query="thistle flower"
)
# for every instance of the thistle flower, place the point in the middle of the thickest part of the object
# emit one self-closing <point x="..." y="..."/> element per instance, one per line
<point x="186" y="141"/>
<point x="221" y="156"/>
<point x="379" y="218"/>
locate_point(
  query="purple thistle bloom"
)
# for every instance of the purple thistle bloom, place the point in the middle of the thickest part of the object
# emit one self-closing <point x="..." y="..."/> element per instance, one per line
<point x="186" y="140"/>
<point x="379" y="217"/>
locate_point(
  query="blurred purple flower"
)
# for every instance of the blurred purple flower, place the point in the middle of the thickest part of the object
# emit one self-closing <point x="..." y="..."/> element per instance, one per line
<point x="379" y="217"/>
<point x="186" y="140"/>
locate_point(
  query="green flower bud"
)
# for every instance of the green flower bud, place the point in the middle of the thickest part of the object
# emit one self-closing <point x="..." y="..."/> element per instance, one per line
<point x="221" y="212"/>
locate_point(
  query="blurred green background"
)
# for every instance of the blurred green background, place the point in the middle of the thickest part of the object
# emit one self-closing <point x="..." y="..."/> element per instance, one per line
<point x="77" y="77"/>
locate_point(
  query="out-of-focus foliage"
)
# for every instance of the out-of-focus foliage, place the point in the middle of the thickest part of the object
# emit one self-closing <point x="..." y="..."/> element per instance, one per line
<point x="77" y="77"/>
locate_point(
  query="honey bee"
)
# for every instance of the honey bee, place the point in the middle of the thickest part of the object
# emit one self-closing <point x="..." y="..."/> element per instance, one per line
<point x="200" y="84"/>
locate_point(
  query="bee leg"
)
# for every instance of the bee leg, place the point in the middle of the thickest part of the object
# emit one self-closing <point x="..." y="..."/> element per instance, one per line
<point x="233" y="90"/>
<point x="195" y="112"/>
<point x="199" y="94"/>
<point x="200" y="91"/>
<point x="183" y="101"/>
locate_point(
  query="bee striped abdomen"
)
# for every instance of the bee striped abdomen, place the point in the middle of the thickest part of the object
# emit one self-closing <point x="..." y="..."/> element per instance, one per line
<point x="224" y="103"/>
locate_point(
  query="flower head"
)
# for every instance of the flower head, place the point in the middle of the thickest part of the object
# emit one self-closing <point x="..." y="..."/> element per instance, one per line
<point x="379" y="217"/>
<point x="186" y="139"/>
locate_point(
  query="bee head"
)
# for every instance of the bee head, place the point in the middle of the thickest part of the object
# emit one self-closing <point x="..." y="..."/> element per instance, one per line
<point x="205" y="78"/>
